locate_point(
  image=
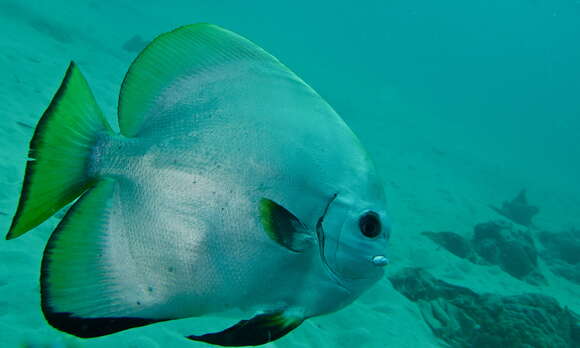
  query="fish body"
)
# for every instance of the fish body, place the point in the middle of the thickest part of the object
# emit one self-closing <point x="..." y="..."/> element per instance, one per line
<point x="233" y="189"/>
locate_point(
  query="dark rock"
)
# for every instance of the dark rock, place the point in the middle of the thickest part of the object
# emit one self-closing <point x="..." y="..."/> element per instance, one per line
<point x="135" y="44"/>
<point x="562" y="253"/>
<point x="418" y="284"/>
<point x="453" y="242"/>
<point x="518" y="210"/>
<point x="463" y="318"/>
<point x="487" y="238"/>
<point x="564" y="246"/>
<point x="51" y="29"/>
<point x="565" y="270"/>
<point x="495" y="230"/>
<point x="513" y="250"/>
<point x="521" y="265"/>
<point x="496" y="243"/>
<point x="21" y="11"/>
<point x="575" y="337"/>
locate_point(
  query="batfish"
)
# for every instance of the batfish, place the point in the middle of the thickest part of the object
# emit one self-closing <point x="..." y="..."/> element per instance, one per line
<point x="231" y="189"/>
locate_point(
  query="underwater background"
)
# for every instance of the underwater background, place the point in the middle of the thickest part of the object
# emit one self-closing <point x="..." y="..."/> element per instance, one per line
<point x="470" y="109"/>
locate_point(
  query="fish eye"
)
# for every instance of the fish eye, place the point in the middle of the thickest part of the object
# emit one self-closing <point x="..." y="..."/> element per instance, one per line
<point x="370" y="225"/>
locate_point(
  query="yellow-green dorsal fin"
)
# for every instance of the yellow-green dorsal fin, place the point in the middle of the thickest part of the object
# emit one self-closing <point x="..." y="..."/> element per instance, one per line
<point x="60" y="149"/>
<point x="182" y="54"/>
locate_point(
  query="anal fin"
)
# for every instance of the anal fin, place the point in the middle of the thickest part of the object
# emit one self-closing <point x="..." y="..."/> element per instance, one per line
<point x="261" y="329"/>
<point x="95" y="327"/>
<point x="86" y="290"/>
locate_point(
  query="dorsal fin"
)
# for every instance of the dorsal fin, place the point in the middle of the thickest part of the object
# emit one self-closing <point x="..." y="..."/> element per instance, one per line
<point x="182" y="54"/>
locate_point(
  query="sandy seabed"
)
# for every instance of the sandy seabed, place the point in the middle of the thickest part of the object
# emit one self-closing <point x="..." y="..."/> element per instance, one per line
<point x="433" y="182"/>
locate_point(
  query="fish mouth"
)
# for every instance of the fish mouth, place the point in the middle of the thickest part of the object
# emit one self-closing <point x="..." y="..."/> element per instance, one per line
<point x="380" y="260"/>
<point x="321" y="242"/>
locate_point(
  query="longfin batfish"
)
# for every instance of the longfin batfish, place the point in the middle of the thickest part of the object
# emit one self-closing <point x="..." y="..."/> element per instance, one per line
<point x="233" y="188"/>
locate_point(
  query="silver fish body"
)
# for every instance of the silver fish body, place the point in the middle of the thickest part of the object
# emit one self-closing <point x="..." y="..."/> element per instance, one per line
<point x="233" y="188"/>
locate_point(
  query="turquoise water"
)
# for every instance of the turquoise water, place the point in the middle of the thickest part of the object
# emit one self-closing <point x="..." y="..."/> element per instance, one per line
<point x="461" y="105"/>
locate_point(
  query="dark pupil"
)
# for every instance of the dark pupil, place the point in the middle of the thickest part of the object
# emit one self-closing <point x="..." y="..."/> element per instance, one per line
<point x="369" y="225"/>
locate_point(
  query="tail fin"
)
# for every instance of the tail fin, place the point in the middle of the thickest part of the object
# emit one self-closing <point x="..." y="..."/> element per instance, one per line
<point x="60" y="150"/>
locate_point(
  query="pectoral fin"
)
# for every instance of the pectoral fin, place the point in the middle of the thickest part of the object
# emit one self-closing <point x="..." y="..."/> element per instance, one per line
<point x="283" y="227"/>
<point x="261" y="329"/>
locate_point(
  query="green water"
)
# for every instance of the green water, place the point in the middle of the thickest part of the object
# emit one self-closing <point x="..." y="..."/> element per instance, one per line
<point x="460" y="104"/>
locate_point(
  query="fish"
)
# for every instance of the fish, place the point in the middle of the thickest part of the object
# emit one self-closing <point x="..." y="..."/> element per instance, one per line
<point x="231" y="189"/>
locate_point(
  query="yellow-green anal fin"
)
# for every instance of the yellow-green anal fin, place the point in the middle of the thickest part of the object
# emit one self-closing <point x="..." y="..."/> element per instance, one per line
<point x="86" y="287"/>
<point x="184" y="54"/>
<point x="261" y="329"/>
<point x="283" y="227"/>
<point x="60" y="150"/>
